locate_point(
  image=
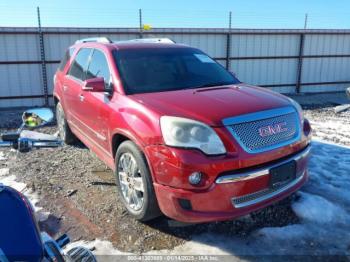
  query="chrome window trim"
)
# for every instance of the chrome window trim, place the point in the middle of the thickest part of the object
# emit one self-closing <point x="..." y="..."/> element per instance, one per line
<point x="261" y="115"/>
<point x="267" y="195"/>
<point x="261" y="172"/>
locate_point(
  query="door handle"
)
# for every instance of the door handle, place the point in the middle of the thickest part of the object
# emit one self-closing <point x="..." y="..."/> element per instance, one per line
<point x="81" y="98"/>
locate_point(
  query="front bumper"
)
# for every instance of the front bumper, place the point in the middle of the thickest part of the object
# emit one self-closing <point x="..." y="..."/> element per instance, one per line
<point x="232" y="195"/>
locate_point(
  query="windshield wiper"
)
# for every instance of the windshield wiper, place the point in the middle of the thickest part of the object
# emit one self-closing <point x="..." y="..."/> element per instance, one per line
<point x="220" y="85"/>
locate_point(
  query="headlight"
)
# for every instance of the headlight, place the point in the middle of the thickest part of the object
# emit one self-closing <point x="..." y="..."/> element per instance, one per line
<point x="187" y="133"/>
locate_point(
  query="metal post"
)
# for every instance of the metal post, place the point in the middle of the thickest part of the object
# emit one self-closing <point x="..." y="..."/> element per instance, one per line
<point x="300" y="63"/>
<point x="228" y="42"/>
<point x="43" y="60"/>
<point x="140" y="20"/>
<point x="305" y="21"/>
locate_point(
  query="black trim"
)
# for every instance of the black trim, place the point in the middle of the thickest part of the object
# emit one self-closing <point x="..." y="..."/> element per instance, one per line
<point x="24" y="97"/>
<point x="277" y="85"/>
<point x="28" y="62"/>
<point x="300" y="63"/>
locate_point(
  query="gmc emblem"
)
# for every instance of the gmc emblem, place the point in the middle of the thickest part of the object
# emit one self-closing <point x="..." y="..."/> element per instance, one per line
<point x="272" y="129"/>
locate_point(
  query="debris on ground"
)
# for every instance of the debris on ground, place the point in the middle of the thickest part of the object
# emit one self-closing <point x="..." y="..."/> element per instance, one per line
<point x="71" y="192"/>
<point x="341" y="108"/>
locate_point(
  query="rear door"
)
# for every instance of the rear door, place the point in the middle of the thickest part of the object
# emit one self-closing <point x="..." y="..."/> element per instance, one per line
<point x="72" y="85"/>
<point x="95" y="106"/>
<point x="60" y="73"/>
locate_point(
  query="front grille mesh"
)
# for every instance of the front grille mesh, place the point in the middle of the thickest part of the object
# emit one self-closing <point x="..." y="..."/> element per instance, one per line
<point x="256" y="195"/>
<point x="248" y="136"/>
<point x="253" y="198"/>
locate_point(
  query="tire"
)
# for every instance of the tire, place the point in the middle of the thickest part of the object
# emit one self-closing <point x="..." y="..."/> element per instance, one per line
<point x="128" y="182"/>
<point x="63" y="128"/>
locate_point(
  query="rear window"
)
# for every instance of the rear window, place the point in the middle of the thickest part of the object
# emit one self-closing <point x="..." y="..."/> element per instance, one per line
<point x="150" y="70"/>
<point x="66" y="58"/>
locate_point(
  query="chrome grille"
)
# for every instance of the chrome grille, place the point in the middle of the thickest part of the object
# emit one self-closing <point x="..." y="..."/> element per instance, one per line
<point x="248" y="136"/>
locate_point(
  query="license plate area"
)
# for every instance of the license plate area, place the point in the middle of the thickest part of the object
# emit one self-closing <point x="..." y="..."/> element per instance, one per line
<point x="283" y="174"/>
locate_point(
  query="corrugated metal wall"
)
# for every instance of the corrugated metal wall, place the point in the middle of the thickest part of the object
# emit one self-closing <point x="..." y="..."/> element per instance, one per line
<point x="282" y="60"/>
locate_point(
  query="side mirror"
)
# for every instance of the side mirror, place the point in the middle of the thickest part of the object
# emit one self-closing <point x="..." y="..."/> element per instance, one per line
<point x="94" y="85"/>
<point x="37" y="117"/>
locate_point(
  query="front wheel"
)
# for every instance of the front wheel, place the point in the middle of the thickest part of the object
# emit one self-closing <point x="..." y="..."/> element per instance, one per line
<point x="64" y="131"/>
<point x="135" y="182"/>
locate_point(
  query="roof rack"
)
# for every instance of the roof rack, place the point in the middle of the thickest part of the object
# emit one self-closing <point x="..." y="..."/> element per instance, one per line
<point x="104" y="40"/>
<point x="149" y="40"/>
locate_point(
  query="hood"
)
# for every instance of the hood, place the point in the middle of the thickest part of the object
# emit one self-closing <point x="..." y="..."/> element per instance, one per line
<point x="212" y="105"/>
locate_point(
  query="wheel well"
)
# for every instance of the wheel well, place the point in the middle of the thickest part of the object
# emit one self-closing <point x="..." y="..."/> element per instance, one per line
<point x="116" y="141"/>
<point x="55" y="100"/>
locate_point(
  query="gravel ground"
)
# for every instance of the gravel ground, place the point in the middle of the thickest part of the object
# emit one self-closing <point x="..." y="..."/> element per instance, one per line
<point x="79" y="192"/>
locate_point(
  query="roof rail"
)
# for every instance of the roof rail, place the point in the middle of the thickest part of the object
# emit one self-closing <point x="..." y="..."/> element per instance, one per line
<point x="149" y="40"/>
<point x="104" y="40"/>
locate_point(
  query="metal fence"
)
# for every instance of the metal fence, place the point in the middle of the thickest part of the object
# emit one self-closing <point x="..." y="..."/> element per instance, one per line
<point x="287" y="61"/>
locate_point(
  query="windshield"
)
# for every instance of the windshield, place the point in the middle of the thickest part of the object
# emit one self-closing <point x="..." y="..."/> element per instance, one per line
<point x="148" y="70"/>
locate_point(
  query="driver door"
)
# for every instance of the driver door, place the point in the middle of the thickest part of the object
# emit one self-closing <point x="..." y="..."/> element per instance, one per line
<point x="95" y="107"/>
<point x="72" y="86"/>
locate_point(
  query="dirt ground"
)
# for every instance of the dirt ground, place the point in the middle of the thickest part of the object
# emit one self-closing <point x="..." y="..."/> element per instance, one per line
<point x="79" y="192"/>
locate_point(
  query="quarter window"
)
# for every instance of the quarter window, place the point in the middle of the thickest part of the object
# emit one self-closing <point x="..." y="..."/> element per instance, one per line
<point x="78" y="67"/>
<point x="66" y="58"/>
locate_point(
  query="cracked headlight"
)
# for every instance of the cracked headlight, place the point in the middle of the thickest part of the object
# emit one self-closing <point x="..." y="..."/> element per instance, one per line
<point x="188" y="133"/>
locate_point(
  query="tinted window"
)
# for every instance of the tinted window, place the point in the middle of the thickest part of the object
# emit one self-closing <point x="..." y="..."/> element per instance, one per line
<point x="165" y="69"/>
<point x="66" y="58"/>
<point x="98" y="67"/>
<point x="78" y="67"/>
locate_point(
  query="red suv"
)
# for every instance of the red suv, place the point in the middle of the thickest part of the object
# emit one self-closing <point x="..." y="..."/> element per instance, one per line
<point x="184" y="136"/>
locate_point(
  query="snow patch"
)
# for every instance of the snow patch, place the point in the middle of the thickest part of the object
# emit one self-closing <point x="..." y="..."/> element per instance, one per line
<point x="11" y="180"/>
<point x="316" y="209"/>
<point x="287" y="232"/>
<point x="323" y="206"/>
<point x="4" y="172"/>
<point x="332" y="129"/>
<point x="2" y="156"/>
<point x="100" y="247"/>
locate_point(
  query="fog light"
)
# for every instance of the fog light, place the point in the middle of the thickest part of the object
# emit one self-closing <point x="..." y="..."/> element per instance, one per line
<point x="195" y="178"/>
<point x="185" y="204"/>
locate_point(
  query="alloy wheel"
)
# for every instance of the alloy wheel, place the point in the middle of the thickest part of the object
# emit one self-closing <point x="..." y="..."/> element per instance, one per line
<point x="131" y="182"/>
<point x="60" y="122"/>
